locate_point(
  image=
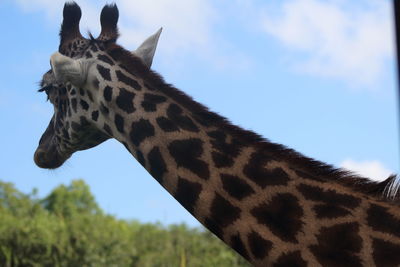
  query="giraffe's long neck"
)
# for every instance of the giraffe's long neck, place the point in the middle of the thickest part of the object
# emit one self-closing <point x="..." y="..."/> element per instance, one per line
<point x="268" y="207"/>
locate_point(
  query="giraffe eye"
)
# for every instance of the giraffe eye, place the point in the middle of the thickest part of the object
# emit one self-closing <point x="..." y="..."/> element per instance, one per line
<point x="46" y="89"/>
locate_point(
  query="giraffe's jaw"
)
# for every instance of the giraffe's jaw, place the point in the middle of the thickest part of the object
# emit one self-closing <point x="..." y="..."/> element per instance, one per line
<point x="49" y="159"/>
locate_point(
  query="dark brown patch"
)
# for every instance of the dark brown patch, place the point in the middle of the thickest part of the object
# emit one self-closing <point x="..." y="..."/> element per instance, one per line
<point x="107" y="93"/>
<point x="119" y="123"/>
<point x="235" y="186"/>
<point x="108" y="130"/>
<point x="282" y="215"/>
<point x="187" y="193"/>
<point x="262" y="176"/>
<point x="104" y="72"/>
<point x="221" y="160"/>
<point x="84" y="104"/>
<point x="141" y="130"/>
<point x="105" y="59"/>
<point x="125" y="100"/>
<point x="95" y="115"/>
<point x="148" y="86"/>
<point x="338" y="245"/>
<point x="149" y="107"/>
<point x="213" y="227"/>
<point x="385" y="253"/>
<point x="166" y="125"/>
<point x="328" y="196"/>
<point x="128" y="81"/>
<point x="223" y="213"/>
<point x="186" y="154"/>
<point x="292" y="259"/>
<point x="259" y="246"/>
<point x="157" y="164"/>
<point x="380" y="219"/>
<point x="150" y="101"/>
<point x="237" y="244"/>
<point x="218" y="135"/>
<point x="88" y="55"/>
<point x="81" y="92"/>
<point x="154" y="98"/>
<point x="174" y="113"/>
<point x="218" y="142"/>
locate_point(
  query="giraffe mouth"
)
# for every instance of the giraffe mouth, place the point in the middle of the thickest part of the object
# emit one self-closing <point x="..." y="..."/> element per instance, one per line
<point x="49" y="159"/>
<point x="47" y="155"/>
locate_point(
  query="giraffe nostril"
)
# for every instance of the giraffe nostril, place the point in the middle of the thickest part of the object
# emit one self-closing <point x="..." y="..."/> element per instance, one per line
<point x="40" y="158"/>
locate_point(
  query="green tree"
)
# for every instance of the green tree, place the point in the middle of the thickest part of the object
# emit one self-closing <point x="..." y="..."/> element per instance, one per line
<point x="68" y="228"/>
<point x="70" y="200"/>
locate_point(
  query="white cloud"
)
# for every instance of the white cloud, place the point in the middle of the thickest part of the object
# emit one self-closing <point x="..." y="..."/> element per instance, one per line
<point x="338" y="39"/>
<point x="188" y="23"/>
<point x="372" y="169"/>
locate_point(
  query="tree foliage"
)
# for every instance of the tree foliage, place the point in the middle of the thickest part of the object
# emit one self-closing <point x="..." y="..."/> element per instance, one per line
<point x="68" y="228"/>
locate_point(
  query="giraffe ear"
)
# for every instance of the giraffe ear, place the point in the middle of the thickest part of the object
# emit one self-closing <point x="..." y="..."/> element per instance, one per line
<point x="147" y="49"/>
<point x="66" y="69"/>
<point x="108" y="20"/>
<point x="70" y="26"/>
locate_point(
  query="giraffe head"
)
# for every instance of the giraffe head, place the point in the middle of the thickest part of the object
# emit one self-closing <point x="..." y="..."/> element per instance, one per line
<point x="72" y="90"/>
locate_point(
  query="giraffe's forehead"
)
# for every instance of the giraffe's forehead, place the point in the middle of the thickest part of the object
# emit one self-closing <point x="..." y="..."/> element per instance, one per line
<point x="75" y="48"/>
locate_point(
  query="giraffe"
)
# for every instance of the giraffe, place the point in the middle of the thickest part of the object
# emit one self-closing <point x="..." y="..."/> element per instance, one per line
<point x="271" y="204"/>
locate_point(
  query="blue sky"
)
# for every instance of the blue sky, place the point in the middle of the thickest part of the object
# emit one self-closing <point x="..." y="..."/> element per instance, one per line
<point x="315" y="75"/>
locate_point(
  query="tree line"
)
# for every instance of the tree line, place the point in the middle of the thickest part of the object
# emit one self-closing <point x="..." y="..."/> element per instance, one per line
<point x="68" y="228"/>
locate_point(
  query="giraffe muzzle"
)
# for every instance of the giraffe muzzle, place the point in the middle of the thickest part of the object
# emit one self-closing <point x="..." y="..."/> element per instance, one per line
<point x="46" y="155"/>
<point x="48" y="159"/>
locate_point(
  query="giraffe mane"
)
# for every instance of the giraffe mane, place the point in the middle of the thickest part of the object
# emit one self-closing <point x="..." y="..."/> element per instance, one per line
<point x="387" y="190"/>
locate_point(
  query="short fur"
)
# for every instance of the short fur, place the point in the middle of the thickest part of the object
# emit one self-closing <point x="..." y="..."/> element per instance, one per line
<point x="314" y="168"/>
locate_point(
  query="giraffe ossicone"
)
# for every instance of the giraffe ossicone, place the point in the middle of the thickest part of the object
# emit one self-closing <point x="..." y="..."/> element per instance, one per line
<point x="75" y="71"/>
<point x="271" y="204"/>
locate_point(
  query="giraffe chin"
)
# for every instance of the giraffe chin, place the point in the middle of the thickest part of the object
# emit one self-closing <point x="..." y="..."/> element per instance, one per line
<point x="50" y="159"/>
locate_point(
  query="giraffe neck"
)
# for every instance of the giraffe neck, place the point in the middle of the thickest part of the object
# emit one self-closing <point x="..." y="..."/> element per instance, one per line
<point x="270" y="204"/>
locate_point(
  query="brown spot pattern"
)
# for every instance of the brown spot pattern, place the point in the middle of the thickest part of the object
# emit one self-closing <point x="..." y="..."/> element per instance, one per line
<point x="262" y="176"/>
<point x="281" y="215"/>
<point x="338" y="245"/>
